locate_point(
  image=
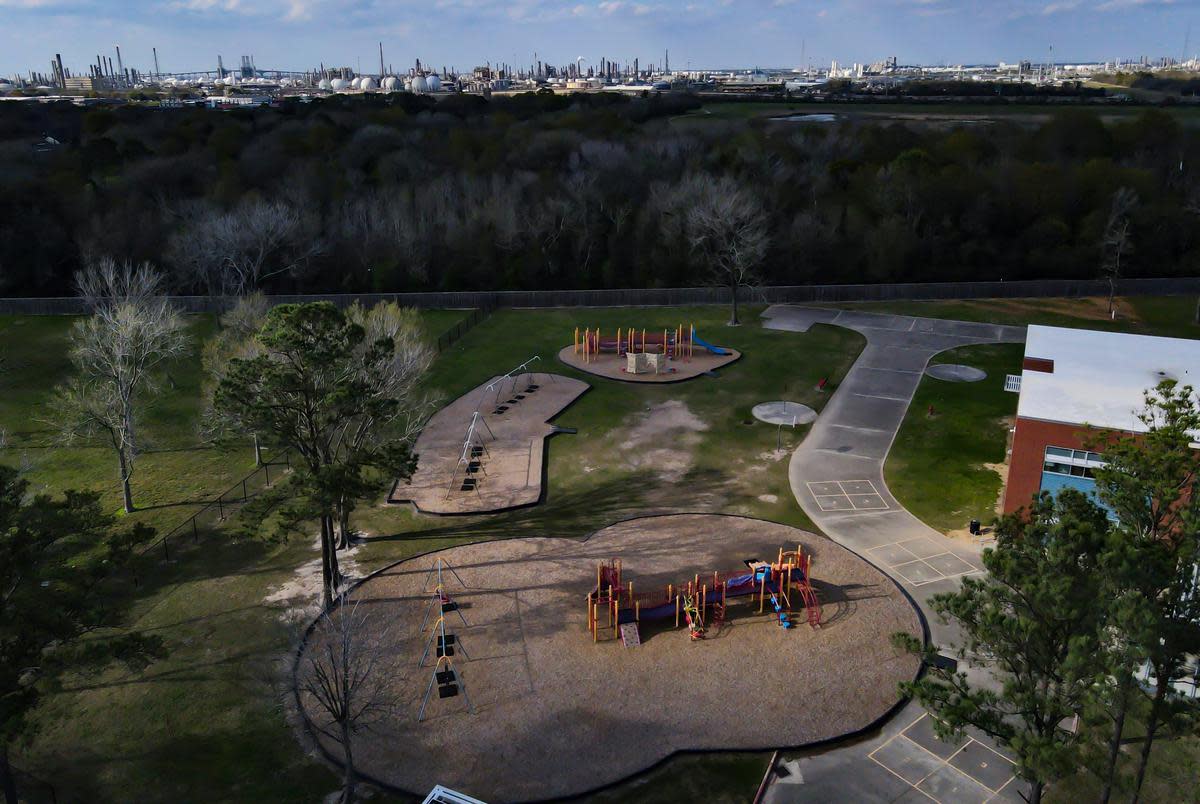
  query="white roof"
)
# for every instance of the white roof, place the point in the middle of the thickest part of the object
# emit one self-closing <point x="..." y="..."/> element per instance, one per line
<point x="1100" y="378"/>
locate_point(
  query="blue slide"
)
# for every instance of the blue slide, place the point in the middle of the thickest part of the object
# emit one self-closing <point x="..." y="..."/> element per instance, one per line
<point x="716" y="350"/>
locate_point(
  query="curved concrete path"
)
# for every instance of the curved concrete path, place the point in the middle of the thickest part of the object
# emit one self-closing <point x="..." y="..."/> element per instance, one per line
<point x="837" y="477"/>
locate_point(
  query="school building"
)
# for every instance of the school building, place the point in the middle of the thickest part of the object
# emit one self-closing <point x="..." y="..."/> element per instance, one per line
<point x="1075" y="379"/>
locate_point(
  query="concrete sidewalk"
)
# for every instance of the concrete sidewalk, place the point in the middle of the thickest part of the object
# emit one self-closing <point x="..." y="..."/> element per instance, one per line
<point x="836" y="475"/>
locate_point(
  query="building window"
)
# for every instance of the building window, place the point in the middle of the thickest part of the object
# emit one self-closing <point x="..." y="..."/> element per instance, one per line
<point x="1072" y="462"/>
<point x="1065" y="468"/>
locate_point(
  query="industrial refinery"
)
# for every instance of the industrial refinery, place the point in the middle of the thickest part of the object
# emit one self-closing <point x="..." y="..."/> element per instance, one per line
<point x="108" y="78"/>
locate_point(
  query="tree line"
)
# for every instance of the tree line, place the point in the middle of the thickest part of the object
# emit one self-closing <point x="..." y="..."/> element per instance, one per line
<point x="404" y="193"/>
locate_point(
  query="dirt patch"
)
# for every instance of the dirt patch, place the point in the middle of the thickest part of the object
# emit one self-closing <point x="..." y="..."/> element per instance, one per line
<point x="299" y="599"/>
<point x="768" y="498"/>
<point x="662" y="439"/>
<point x="1091" y="308"/>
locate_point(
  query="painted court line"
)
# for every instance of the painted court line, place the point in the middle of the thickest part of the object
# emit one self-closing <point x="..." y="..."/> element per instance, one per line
<point x="881" y="396"/>
<point x="858" y="429"/>
<point x="891" y="370"/>
<point x="942" y="763"/>
<point x="948" y="577"/>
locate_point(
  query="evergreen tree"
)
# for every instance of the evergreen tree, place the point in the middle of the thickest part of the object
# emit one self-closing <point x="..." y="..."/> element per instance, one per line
<point x="311" y="387"/>
<point x="1147" y="482"/>
<point x="1035" y="622"/>
<point x="55" y="555"/>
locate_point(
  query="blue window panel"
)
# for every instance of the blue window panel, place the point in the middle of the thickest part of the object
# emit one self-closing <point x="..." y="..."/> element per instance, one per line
<point x="1054" y="483"/>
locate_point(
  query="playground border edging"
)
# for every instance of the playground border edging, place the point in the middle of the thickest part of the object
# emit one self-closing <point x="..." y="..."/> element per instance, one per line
<point x="849" y="737"/>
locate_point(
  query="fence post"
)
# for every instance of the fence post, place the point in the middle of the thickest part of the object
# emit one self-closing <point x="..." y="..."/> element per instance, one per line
<point x="220" y="509"/>
<point x="195" y="533"/>
<point x="244" y="495"/>
<point x="166" y="552"/>
<point x="267" y="472"/>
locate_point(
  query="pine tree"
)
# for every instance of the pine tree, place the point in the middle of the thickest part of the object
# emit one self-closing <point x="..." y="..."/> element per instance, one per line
<point x="1034" y="621"/>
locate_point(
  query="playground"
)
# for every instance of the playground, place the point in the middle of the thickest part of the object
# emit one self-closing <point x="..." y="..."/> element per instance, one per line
<point x="631" y="354"/>
<point x="549" y="700"/>
<point x="485" y="451"/>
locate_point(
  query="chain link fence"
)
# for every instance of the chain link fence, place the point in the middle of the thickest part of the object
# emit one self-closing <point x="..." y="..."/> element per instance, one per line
<point x="670" y="297"/>
<point x="213" y="514"/>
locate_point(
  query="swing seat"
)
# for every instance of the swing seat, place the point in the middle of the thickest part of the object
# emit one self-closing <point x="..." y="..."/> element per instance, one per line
<point x="445" y="677"/>
<point x="447" y="690"/>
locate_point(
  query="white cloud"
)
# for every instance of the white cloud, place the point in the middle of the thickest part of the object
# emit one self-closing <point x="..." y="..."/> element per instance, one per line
<point x="298" y="11"/>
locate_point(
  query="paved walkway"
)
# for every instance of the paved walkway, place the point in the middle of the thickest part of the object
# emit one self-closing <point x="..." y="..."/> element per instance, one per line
<point x="837" y="477"/>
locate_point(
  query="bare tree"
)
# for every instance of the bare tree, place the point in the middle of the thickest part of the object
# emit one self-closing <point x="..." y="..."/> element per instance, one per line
<point x="726" y="226"/>
<point x="234" y="340"/>
<point x="131" y="331"/>
<point x="346" y="678"/>
<point x="1116" y="242"/>
<point x="231" y="253"/>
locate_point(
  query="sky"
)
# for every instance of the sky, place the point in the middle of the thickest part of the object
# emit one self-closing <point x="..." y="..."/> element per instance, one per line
<point x="300" y="34"/>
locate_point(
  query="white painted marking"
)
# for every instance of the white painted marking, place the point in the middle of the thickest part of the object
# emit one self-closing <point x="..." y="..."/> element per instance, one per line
<point x="857" y="429"/>
<point x="881" y="396"/>
<point x="890" y="370"/>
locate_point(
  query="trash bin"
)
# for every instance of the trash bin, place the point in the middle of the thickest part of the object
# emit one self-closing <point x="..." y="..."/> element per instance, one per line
<point x="975" y="527"/>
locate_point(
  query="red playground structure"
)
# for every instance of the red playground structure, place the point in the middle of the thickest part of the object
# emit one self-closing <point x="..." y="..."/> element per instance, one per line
<point x="700" y="603"/>
<point x="675" y="344"/>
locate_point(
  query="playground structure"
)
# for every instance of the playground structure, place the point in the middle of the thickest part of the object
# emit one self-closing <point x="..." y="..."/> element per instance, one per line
<point x="640" y="347"/>
<point x="557" y="716"/>
<point x="701" y="603"/>
<point x="645" y="354"/>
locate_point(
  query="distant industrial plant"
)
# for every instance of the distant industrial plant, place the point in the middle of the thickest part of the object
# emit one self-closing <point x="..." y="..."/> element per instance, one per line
<point x="247" y="84"/>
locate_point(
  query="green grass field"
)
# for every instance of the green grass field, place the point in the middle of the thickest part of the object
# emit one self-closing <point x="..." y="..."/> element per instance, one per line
<point x="938" y="467"/>
<point x="210" y="721"/>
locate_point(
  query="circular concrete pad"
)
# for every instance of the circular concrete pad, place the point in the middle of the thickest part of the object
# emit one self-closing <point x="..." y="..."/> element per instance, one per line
<point x="784" y="413"/>
<point x="557" y="715"/>
<point x="955" y="372"/>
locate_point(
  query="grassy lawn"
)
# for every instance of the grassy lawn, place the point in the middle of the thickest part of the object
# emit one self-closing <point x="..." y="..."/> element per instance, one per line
<point x="210" y="721"/>
<point x="1171" y="316"/>
<point x="968" y="431"/>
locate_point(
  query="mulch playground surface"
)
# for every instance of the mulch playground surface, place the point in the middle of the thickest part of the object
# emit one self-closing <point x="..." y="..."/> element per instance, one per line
<point x="612" y="365"/>
<point x="556" y="714"/>
<point x="515" y="413"/>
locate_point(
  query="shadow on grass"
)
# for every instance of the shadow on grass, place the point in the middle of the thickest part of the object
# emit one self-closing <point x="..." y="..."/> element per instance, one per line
<point x="572" y="514"/>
